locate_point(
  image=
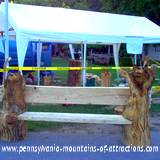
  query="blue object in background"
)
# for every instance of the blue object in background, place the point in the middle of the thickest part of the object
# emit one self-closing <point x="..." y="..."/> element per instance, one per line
<point x="31" y="55"/>
<point x="30" y="58"/>
<point x="90" y="82"/>
<point x="46" y="56"/>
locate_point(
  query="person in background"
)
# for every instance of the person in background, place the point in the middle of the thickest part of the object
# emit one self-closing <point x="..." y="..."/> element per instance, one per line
<point x="30" y="79"/>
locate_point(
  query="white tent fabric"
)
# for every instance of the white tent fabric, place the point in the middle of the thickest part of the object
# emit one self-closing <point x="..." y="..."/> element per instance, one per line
<point x="135" y="46"/>
<point x="11" y="32"/>
<point x="37" y="23"/>
<point x="22" y="45"/>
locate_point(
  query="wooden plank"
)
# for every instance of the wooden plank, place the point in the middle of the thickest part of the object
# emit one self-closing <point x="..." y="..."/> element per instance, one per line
<point x="73" y="118"/>
<point x="76" y="95"/>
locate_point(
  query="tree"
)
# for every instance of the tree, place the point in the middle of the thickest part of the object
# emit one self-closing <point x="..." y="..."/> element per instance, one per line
<point x="147" y="8"/>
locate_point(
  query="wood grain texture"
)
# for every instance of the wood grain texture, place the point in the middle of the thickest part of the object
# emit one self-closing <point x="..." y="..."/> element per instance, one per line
<point x="77" y="95"/>
<point x="137" y="110"/>
<point x="13" y="103"/>
<point x="73" y="118"/>
<point x="74" y="77"/>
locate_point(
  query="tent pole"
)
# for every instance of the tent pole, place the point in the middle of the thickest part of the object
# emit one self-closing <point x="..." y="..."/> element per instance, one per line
<point x="82" y="62"/>
<point x="71" y="51"/>
<point x="116" y="48"/>
<point x="6" y="36"/>
<point x="39" y="50"/>
<point x="109" y="50"/>
<point x="135" y="59"/>
<point x="91" y="55"/>
<point x="84" y="65"/>
<point x="1" y="46"/>
<point x="82" y="53"/>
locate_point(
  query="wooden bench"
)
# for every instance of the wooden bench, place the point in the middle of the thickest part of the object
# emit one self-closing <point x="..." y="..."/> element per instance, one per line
<point x="75" y="95"/>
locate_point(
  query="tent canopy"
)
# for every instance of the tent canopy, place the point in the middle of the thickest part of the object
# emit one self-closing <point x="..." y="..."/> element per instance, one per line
<point x="37" y="23"/>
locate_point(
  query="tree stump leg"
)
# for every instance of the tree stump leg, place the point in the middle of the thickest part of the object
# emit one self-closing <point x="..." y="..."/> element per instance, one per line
<point x="11" y="129"/>
<point x="138" y="133"/>
<point x="137" y="110"/>
<point x="133" y="135"/>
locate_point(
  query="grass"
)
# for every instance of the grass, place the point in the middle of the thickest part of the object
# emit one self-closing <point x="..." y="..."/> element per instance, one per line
<point x="96" y="109"/>
<point x="155" y="108"/>
<point x="62" y="75"/>
<point x="90" y="109"/>
<point x="39" y="126"/>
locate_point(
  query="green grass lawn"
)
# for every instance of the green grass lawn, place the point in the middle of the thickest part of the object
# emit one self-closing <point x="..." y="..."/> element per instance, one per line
<point x="90" y="109"/>
<point x="38" y="126"/>
<point x="62" y="75"/>
<point x="96" y="109"/>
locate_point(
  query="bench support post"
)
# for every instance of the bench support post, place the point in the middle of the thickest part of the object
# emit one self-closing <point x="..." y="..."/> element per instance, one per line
<point x="13" y="104"/>
<point x="137" y="110"/>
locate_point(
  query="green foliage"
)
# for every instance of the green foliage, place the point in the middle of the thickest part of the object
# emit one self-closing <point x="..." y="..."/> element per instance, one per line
<point x="78" y="4"/>
<point x="147" y="8"/>
<point x="81" y="5"/>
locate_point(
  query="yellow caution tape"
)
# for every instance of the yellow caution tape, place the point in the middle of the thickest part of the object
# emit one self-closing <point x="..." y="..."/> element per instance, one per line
<point x="155" y="88"/>
<point x="60" y="68"/>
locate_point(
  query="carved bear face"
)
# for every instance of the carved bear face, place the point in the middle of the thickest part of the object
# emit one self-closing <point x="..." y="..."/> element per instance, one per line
<point x="14" y="77"/>
<point x="141" y="76"/>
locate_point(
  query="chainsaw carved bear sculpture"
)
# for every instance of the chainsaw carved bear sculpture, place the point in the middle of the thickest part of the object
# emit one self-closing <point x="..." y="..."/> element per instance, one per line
<point x="74" y="76"/>
<point x="104" y="79"/>
<point x="13" y="104"/>
<point x="137" y="110"/>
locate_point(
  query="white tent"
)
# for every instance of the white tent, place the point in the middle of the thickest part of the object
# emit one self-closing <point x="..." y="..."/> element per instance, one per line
<point x="11" y="32"/>
<point x="37" y="23"/>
